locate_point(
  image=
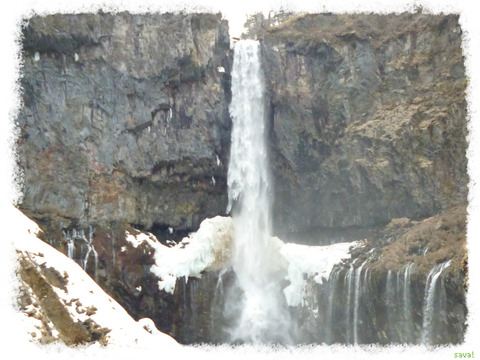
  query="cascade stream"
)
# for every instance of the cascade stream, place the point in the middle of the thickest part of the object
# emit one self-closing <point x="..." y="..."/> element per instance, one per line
<point x="346" y="308"/>
<point x="264" y="316"/>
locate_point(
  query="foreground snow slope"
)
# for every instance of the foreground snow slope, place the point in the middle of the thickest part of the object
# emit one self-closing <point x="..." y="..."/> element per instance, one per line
<point x="59" y="301"/>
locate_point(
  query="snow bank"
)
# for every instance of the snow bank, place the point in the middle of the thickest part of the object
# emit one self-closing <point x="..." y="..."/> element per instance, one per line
<point x="210" y="247"/>
<point x="315" y="262"/>
<point x="206" y="249"/>
<point x="109" y="314"/>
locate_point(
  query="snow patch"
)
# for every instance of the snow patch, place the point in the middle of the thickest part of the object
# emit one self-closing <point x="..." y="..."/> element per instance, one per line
<point x="315" y="262"/>
<point x="138" y="239"/>
<point x="80" y="287"/>
<point x="208" y="248"/>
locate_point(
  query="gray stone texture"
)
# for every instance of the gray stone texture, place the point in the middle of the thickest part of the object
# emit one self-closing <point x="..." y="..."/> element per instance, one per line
<point x="124" y="117"/>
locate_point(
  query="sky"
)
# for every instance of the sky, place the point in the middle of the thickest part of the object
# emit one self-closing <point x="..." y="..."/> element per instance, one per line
<point x="236" y="12"/>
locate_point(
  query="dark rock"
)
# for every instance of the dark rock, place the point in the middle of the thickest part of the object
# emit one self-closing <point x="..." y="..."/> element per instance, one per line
<point x="367" y="117"/>
<point x="125" y="117"/>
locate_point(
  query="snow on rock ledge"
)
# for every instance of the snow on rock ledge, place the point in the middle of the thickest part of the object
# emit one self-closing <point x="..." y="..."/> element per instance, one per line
<point x="210" y="249"/>
<point x="206" y="249"/>
<point x="315" y="262"/>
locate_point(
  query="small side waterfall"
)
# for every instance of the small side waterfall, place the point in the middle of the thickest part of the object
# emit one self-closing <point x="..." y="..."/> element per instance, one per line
<point x="407" y="307"/>
<point x="79" y="235"/>
<point x="429" y="309"/>
<point x="90" y="248"/>
<point x="70" y="244"/>
<point x="349" y="279"/>
<point x="390" y="297"/>
<point x="332" y="297"/>
<point x="356" y="310"/>
<point x="264" y="317"/>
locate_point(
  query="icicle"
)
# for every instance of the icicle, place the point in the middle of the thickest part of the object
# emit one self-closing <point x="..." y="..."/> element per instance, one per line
<point x="218" y="160"/>
<point x="213" y="181"/>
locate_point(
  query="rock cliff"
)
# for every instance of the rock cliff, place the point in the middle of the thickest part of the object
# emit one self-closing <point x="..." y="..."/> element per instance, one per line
<point x="125" y="117"/>
<point x="125" y="126"/>
<point x="367" y="117"/>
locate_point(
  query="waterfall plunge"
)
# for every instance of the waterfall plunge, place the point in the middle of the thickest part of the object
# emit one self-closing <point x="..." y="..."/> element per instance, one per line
<point x="263" y="314"/>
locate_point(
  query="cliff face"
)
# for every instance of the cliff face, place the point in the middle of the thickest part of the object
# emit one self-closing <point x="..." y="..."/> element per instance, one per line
<point x="367" y="116"/>
<point x="125" y="118"/>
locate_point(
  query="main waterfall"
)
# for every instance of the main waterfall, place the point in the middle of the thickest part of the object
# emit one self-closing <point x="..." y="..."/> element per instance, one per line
<point x="263" y="314"/>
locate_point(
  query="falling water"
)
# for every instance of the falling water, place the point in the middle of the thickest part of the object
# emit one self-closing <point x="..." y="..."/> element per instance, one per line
<point x="356" y="309"/>
<point x="70" y="244"/>
<point x="350" y="284"/>
<point x="90" y="248"/>
<point x="264" y="316"/>
<point x="332" y="298"/>
<point x="407" y="307"/>
<point x="113" y="249"/>
<point x="428" y="306"/>
<point x="391" y="306"/>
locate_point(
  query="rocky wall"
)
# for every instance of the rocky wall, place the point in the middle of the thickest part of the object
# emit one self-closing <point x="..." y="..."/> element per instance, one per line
<point x="367" y="118"/>
<point x="124" y="118"/>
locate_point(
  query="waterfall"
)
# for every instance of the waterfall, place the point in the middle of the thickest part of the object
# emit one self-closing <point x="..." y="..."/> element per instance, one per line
<point x="390" y="306"/>
<point x="407" y="307"/>
<point x="264" y="316"/>
<point x="348" y="318"/>
<point x="356" y="308"/>
<point x="331" y="304"/>
<point x="70" y="244"/>
<point x="113" y="249"/>
<point x="429" y="301"/>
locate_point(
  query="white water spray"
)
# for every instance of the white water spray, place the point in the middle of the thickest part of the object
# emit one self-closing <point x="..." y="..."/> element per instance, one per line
<point x="264" y="317"/>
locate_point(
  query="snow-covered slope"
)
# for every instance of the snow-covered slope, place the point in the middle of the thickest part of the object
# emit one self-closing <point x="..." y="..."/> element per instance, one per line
<point x="59" y="301"/>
